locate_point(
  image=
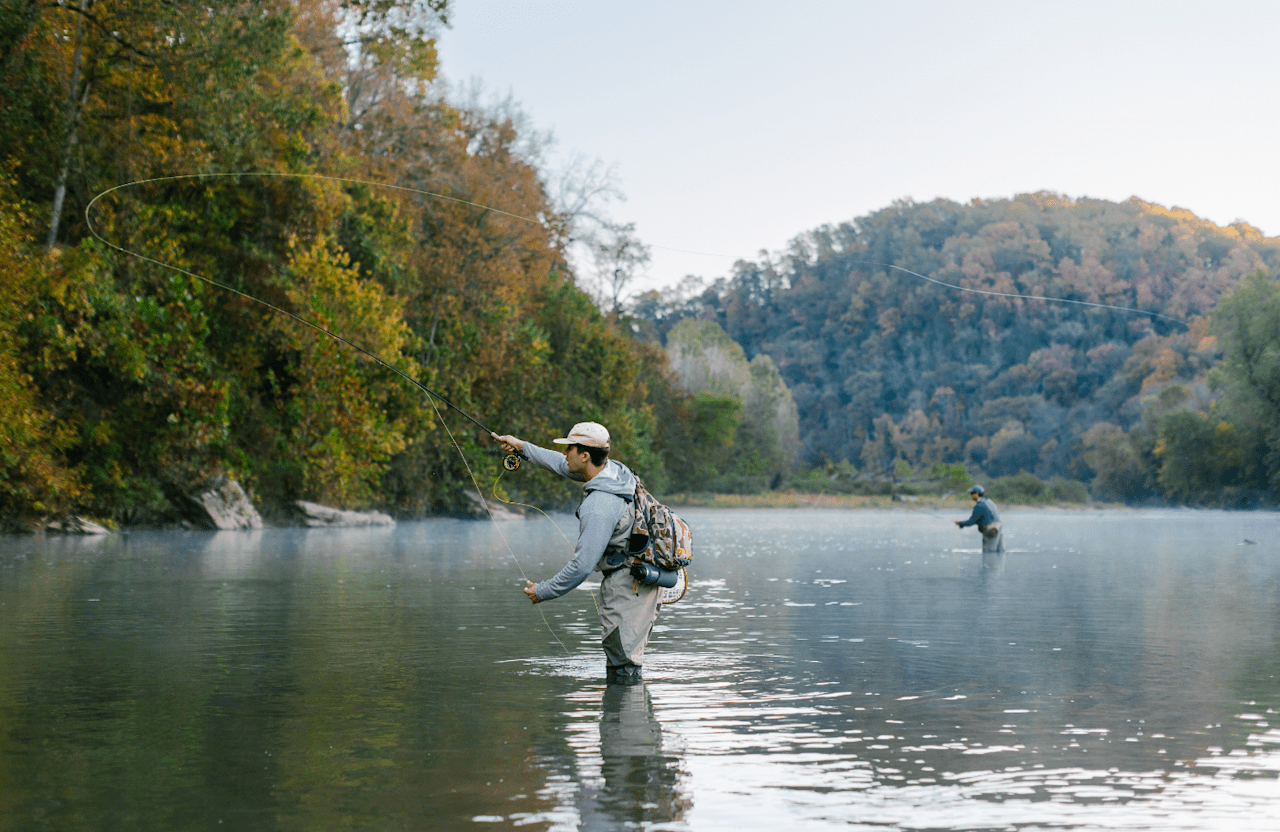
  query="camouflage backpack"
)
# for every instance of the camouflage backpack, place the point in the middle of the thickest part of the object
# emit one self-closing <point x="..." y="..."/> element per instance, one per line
<point x="658" y="535"/>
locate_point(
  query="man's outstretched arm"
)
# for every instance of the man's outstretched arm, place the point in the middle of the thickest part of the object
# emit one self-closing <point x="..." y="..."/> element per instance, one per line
<point x="543" y="458"/>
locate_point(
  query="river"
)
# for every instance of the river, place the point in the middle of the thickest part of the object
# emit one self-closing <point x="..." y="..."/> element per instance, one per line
<point x="828" y="669"/>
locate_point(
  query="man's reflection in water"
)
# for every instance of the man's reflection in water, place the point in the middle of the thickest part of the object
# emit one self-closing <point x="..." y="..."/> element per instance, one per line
<point x="641" y="782"/>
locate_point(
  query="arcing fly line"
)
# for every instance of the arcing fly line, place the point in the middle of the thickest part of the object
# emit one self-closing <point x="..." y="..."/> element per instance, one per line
<point x="432" y="395"/>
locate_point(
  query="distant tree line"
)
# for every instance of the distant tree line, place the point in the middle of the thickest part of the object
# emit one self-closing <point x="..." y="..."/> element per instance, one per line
<point x="888" y="370"/>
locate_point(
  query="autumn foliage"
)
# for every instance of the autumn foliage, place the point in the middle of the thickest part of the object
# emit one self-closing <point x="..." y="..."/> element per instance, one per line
<point x="362" y="202"/>
<point x="895" y="375"/>
<point x="300" y="152"/>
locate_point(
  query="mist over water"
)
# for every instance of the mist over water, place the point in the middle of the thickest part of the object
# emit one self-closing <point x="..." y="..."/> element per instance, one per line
<point x="828" y="669"/>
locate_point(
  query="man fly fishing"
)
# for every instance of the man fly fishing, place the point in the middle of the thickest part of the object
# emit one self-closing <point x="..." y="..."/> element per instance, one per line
<point x="987" y="520"/>
<point x="628" y="608"/>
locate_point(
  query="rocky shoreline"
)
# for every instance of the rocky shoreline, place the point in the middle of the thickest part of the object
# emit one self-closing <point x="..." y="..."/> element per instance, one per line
<point x="226" y="506"/>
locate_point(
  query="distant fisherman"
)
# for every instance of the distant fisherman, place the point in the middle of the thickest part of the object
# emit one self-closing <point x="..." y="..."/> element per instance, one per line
<point x="627" y="609"/>
<point x="987" y="519"/>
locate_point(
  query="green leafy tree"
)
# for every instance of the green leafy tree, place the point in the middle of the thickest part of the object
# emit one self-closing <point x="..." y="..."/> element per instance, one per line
<point x="35" y="479"/>
<point x="333" y="400"/>
<point x="954" y="476"/>
<point x="1247" y="322"/>
<point x="707" y="451"/>
<point x="1201" y="455"/>
<point x="707" y="361"/>
<point x="1119" y="472"/>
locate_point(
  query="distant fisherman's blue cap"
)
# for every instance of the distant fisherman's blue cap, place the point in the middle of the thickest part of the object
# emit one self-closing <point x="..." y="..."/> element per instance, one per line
<point x="977" y="489"/>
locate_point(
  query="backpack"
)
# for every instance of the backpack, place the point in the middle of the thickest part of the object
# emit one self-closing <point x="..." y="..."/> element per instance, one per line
<point x="658" y="535"/>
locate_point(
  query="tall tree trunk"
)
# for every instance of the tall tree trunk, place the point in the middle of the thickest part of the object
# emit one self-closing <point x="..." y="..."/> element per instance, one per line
<point x="74" y="105"/>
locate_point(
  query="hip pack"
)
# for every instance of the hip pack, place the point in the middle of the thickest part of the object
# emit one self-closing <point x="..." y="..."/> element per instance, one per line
<point x="658" y="536"/>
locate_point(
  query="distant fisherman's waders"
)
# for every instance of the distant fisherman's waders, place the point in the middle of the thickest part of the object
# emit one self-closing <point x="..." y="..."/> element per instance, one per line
<point x="628" y="608"/>
<point x="987" y="519"/>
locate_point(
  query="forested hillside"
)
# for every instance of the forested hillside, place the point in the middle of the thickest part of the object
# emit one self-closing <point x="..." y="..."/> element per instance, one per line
<point x="125" y="383"/>
<point x="302" y="152"/>
<point x="887" y="368"/>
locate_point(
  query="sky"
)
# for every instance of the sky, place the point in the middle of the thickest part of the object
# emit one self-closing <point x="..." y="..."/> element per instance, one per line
<point x="736" y="125"/>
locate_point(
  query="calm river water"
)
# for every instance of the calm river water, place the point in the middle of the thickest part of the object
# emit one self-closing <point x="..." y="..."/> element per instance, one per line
<point x="827" y="670"/>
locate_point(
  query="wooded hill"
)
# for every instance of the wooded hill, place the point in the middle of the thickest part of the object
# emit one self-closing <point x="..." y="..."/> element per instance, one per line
<point x="128" y="381"/>
<point x="124" y="384"/>
<point x="887" y="368"/>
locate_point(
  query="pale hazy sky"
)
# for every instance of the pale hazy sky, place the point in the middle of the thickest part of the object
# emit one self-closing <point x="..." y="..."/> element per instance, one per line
<point x="736" y="124"/>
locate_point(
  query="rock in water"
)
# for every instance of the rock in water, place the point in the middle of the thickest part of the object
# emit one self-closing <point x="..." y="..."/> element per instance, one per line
<point x="224" y="506"/>
<point x="77" y="525"/>
<point x="314" y="514"/>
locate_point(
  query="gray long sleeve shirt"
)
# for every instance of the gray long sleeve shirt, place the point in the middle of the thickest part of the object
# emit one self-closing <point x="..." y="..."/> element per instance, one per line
<point x="984" y="514"/>
<point x="604" y="510"/>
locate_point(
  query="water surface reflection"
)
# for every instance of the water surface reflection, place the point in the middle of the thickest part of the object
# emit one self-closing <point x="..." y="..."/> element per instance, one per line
<point x="1113" y="670"/>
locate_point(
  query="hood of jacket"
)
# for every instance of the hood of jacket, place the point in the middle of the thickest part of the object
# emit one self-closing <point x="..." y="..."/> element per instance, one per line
<point x="615" y="479"/>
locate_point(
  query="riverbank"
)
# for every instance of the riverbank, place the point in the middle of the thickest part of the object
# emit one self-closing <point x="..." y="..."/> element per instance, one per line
<point x="793" y="499"/>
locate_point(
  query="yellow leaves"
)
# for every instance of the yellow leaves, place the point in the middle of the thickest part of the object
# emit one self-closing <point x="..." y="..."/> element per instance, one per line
<point x="1182" y="215"/>
<point x="538" y="348"/>
<point x="100" y="434"/>
<point x="1247" y="232"/>
<point x="33" y="476"/>
<point x="326" y="291"/>
<point x="335" y="409"/>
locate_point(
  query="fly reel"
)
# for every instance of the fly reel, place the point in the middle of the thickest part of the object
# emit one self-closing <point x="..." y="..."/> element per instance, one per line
<point x="511" y="462"/>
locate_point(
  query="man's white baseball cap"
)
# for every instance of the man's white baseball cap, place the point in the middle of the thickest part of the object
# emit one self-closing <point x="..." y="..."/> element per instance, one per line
<point x="588" y="435"/>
